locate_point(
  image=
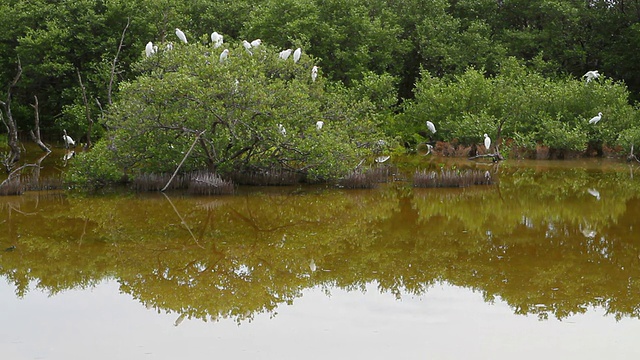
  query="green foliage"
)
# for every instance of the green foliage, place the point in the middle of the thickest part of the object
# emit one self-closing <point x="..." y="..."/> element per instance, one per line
<point x="531" y="108"/>
<point x="95" y="168"/>
<point x="377" y="48"/>
<point x="238" y="105"/>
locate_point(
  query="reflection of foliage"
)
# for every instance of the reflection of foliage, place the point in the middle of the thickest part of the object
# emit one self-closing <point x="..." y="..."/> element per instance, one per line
<point x="537" y="240"/>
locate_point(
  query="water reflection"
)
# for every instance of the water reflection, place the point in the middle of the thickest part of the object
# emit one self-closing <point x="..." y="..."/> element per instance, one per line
<point x="537" y="240"/>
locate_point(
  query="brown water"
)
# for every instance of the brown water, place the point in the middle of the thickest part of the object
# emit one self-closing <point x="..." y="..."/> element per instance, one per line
<point x="544" y="264"/>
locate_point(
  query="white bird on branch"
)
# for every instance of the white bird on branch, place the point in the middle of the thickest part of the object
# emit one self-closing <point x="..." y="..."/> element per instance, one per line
<point x="594" y="120"/>
<point x="431" y="127"/>
<point x="247" y="46"/>
<point x="296" y="55"/>
<point x="216" y="39"/>
<point x="256" y="43"/>
<point x="284" y="54"/>
<point x="181" y="35"/>
<point x="150" y="49"/>
<point x="224" y="54"/>
<point x="314" y="73"/>
<point x="591" y="75"/>
<point x="487" y="141"/>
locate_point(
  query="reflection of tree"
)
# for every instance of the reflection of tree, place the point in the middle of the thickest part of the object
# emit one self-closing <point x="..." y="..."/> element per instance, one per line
<point x="544" y="245"/>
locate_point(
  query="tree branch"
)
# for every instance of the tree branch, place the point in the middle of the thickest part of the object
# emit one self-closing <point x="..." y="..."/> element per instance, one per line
<point x="86" y="110"/>
<point x="115" y="61"/>
<point x="35" y="136"/>
<point x="183" y="159"/>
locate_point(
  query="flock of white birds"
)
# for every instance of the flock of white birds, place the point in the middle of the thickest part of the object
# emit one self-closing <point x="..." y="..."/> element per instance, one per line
<point x="589" y="75"/>
<point x="218" y="40"/>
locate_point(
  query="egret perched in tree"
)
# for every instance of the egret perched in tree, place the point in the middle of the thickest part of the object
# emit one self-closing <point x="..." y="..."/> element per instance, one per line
<point x="296" y="55"/>
<point x="284" y="54"/>
<point x="149" y="49"/>
<point x="68" y="140"/>
<point x="181" y="35"/>
<point x="283" y="131"/>
<point x="487" y="141"/>
<point x="247" y="46"/>
<point x="224" y="54"/>
<point x="431" y="127"/>
<point x="594" y="120"/>
<point x="169" y="46"/>
<point x="591" y="75"/>
<point x="216" y="39"/>
<point x="314" y="73"/>
<point x="256" y="42"/>
<point x="319" y="124"/>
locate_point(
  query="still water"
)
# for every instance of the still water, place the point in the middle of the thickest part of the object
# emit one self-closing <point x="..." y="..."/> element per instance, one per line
<point x="543" y="264"/>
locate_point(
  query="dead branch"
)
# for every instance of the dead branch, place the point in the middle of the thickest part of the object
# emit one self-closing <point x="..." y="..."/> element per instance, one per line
<point x="12" y="127"/>
<point x="35" y="136"/>
<point x="87" y="112"/>
<point x="183" y="160"/>
<point x="13" y="173"/>
<point x="115" y="61"/>
<point x="632" y="156"/>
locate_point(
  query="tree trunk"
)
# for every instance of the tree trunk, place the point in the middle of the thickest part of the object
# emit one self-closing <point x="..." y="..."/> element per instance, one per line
<point x="12" y="128"/>
<point x="35" y="136"/>
<point x="86" y="111"/>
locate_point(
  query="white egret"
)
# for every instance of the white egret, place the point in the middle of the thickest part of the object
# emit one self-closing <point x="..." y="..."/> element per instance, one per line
<point x="314" y="73"/>
<point x="381" y="159"/>
<point x="296" y="55"/>
<point x="319" y="124"/>
<point x="284" y="54"/>
<point x="181" y="35"/>
<point x="224" y="54"/>
<point x="424" y="149"/>
<point x="591" y="75"/>
<point x="431" y="127"/>
<point x="68" y="140"/>
<point x="429" y="148"/>
<point x="149" y="50"/>
<point x="594" y="120"/>
<point x="487" y="141"/>
<point x="68" y="155"/>
<point x="216" y="39"/>
<point x="256" y="42"/>
<point x="247" y="46"/>
<point x="169" y="46"/>
<point x="595" y="193"/>
<point x="283" y="131"/>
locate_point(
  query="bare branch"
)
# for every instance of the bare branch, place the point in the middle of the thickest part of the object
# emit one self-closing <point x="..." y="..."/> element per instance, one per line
<point x="86" y="110"/>
<point x="183" y="159"/>
<point x="115" y="61"/>
<point x="35" y="136"/>
<point x="12" y="127"/>
<point x="16" y="171"/>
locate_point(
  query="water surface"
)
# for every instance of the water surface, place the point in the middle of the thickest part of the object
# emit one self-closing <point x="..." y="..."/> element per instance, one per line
<point x="543" y="264"/>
